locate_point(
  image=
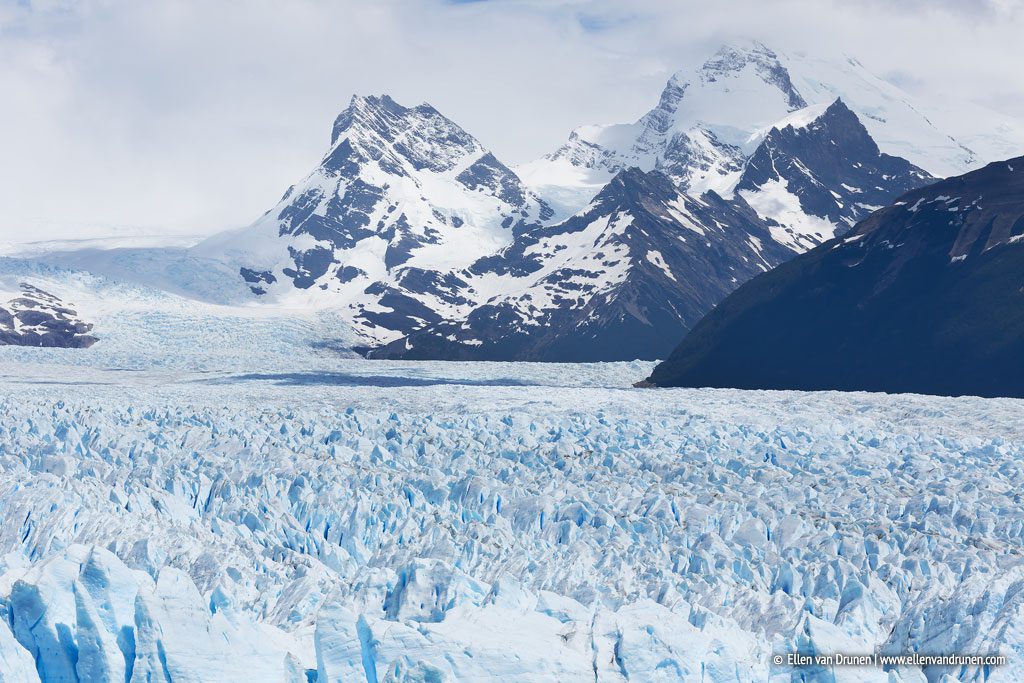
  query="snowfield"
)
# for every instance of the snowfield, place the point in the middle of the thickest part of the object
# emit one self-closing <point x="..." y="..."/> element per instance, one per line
<point x="376" y="521"/>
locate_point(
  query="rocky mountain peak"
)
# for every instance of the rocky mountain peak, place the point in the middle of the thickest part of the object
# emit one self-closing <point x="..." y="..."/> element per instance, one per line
<point x="816" y="177"/>
<point x="404" y="199"/>
<point x="636" y="184"/>
<point x="377" y="127"/>
<point x="733" y="58"/>
<point x="843" y="125"/>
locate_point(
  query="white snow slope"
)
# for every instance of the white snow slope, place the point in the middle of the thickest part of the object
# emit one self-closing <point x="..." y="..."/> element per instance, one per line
<point x="495" y="522"/>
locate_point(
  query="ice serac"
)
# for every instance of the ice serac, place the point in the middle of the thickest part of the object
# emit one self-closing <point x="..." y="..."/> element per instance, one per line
<point x="506" y="522"/>
<point x="623" y="279"/>
<point x="403" y="197"/>
<point x="16" y="663"/>
<point x="816" y="174"/>
<point x="37" y="318"/>
<point x="923" y="296"/>
<point x="83" y="615"/>
<point x="709" y="119"/>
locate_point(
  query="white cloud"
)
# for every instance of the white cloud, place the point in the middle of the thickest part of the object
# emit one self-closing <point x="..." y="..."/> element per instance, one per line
<point x="193" y="116"/>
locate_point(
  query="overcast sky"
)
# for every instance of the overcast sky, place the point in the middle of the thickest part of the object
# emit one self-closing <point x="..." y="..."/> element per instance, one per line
<point x="191" y="116"/>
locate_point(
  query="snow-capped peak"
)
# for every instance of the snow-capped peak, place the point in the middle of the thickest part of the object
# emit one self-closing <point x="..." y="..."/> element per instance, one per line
<point x="733" y="59"/>
<point x="709" y="118"/>
<point x="361" y="109"/>
<point x="421" y="136"/>
<point x="403" y="197"/>
<point x="814" y="178"/>
<point x="732" y="92"/>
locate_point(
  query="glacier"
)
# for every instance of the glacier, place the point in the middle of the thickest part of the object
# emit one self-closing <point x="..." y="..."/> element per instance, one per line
<point x="345" y="520"/>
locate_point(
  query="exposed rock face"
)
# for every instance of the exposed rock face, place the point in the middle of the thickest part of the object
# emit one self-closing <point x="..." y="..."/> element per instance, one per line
<point x="37" y="318"/>
<point x="818" y="179"/>
<point x="625" y="279"/>
<point x="633" y="273"/>
<point x="925" y="296"/>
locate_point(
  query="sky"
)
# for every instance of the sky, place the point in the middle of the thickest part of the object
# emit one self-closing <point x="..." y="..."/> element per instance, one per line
<point x="193" y="116"/>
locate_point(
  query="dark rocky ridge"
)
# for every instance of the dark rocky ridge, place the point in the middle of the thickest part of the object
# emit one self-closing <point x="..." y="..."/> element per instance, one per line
<point x="38" y="318"/>
<point x="633" y="294"/>
<point x="834" y="168"/>
<point x="925" y="296"/>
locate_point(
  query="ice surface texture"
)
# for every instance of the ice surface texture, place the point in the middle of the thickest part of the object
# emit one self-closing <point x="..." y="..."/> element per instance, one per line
<point x="434" y="522"/>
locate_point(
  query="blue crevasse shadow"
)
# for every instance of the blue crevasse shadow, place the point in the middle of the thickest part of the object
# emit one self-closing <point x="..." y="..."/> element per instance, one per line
<point x="355" y="380"/>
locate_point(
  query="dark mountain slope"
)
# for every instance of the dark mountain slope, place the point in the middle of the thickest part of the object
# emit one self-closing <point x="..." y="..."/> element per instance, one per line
<point x="624" y="279"/>
<point x="628" y="276"/>
<point x="925" y="296"/>
<point x="833" y="168"/>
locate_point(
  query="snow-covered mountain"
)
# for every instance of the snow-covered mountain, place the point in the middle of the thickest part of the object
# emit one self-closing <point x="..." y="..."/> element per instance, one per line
<point x="34" y="317"/>
<point x="422" y="242"/>
<point x="434" y="249"/>
<point x="709" y="119"/>
<point x="623" y="279"/>
<point x="629" y="275"/>
<point x="403" y="198"/>
<point x="924" y="296"/>
<point x="817" y="173"/>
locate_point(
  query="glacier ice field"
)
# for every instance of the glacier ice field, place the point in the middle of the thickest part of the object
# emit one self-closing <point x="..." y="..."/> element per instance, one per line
<point x="332" y="519"/>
